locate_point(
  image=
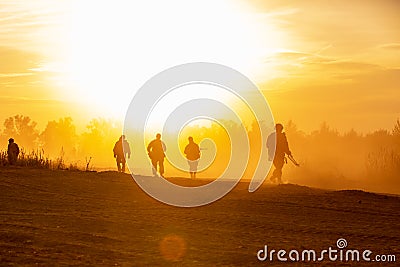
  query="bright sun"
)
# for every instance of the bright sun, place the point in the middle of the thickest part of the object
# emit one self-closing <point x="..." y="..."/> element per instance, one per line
<point x="115" y="46"/>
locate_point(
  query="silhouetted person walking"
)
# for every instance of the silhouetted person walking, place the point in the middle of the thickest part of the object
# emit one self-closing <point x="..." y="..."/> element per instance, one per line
<point x="121" y="149"/>
<point x="12" y="152"/>
<point x="192" y="152"/>
<point x="156" y="151"/>
<point x="278" y="143"/>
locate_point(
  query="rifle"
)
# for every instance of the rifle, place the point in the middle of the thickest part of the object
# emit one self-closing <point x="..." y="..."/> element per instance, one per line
<point x="293" y="160"/>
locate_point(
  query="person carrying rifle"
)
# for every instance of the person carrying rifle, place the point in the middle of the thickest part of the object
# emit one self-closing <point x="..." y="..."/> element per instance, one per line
<point x="278" y="147"/>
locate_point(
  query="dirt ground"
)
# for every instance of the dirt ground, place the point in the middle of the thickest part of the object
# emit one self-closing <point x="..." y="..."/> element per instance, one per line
<point x="60" y="218"/>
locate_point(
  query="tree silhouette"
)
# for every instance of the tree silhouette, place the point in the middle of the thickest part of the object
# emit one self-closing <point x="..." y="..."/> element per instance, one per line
<point x="99" y="139"/>
<point x="59" y="137"/>
<point x="23" y="130"/>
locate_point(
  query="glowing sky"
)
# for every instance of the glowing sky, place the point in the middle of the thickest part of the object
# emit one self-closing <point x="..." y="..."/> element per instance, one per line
<point x="334" y="61"/>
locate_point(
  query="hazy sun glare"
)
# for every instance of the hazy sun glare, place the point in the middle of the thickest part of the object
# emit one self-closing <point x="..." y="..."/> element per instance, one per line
<point x="86" y="59"/>
<point x="113" y="47"/>
<point x="166" y="105"/>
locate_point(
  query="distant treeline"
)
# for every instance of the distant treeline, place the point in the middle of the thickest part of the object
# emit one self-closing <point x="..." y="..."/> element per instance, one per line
<point x="328" y="158"/>
<point x="60" y="139"/>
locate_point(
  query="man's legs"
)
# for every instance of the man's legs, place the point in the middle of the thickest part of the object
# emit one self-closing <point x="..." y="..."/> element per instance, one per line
<point x="11" y="159"/>
<point x="193" y="168"/>
<point x="154" y="163"/>
<point x="196" y="163"/>
<point x="123" y="166"/>
<point x="277" y="174"/>
<point x="190" y="169"/>
<point x="119" y="162"/>
<point x="161" y="164"/>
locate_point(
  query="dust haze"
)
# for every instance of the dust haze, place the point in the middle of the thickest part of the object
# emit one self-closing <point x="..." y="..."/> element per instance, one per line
<point x="329" y="158"/>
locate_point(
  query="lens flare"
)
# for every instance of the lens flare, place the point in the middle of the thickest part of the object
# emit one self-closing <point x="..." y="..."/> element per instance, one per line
<point x="143" y="107"/>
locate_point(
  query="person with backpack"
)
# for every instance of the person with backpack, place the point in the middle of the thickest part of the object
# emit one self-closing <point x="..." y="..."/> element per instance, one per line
<point x="12" y="152"/>
<point x="121" y="149"/>
<point x="278" y="147"/>
<point x="192" y="152"/>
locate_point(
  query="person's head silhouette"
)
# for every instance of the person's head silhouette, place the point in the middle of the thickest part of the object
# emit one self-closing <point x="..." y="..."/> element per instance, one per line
<point x="190" y="139"/>
<point x="279" y="127"/>
<point x="158" y="136"/>
<point x="11" y="140"/>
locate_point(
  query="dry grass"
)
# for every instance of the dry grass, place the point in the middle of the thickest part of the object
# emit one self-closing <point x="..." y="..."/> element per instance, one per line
<point x="38" y="159"/>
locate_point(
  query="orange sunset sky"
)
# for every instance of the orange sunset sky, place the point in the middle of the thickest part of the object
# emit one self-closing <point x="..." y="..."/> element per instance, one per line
<point x="315" y="61"/>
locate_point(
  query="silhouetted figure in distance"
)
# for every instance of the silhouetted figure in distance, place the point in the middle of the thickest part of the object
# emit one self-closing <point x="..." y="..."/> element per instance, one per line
<point x="12" y="152"/>
<point x="156" y="151"/>
<point x="121" y="149"/>
<point x="278" y="143"/>
<point x="192" y="152"/>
